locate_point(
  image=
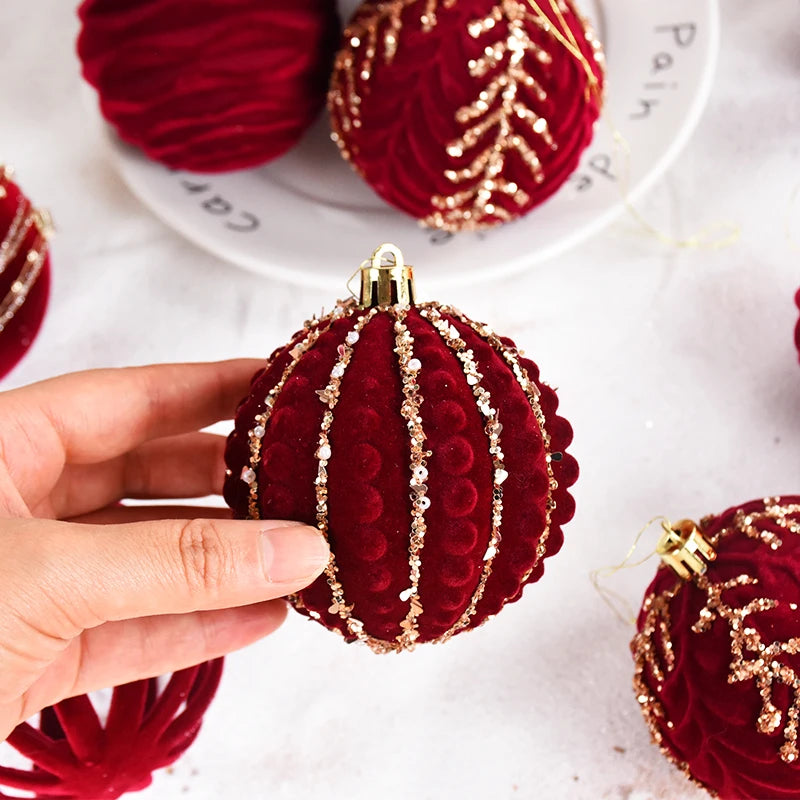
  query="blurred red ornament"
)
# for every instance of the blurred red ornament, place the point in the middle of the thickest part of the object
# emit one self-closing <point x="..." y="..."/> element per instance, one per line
<point x="211" y="86"/>
<point x="466" y="114"/>
<point x="24" y="271"/>
<point x="423" y="446"/>
<point x="797" y="327"/>
<point x="75" y="755"/>
<point x="718" y="651"/>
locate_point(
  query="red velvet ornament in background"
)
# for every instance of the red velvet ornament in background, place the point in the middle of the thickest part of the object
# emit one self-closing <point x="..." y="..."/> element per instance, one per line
<point x="718" y="653"/>
<point x="24" y="271"/>
<point x="466" y="114"/>
<point x="210" y="86"/>
<point x="423" y="446"/>
<point x="77" y="756"/>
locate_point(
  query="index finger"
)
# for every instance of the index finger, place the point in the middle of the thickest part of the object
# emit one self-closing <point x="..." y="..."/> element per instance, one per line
<point x="86" y="417"/>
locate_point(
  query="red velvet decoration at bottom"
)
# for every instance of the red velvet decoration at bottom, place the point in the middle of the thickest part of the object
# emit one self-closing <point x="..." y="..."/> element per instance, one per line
<point x="718" y="659"/>
<point x="21" y="236"/>
<point x="76" y="757"/>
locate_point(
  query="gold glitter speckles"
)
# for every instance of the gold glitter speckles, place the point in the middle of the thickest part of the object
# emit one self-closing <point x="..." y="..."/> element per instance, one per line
<point x="249" y="473"/>
<point x="452" y="338"/>
<point x="531" y="390"/>
<point x="479" y="205"/>
<point x="330" y="397"/>
<point x="410" y="410"/>
<point x="25" y="218"/>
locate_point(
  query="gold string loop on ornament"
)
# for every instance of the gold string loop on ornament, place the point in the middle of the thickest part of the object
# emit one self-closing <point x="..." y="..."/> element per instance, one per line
<point x="621" y="608"/>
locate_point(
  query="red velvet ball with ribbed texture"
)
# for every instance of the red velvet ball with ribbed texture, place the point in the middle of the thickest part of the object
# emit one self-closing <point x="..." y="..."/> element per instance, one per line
<point x="211" y="86"/>
<point x="76" y="755"/>
<point x="466" y="115"/>
<point x="24" y="272"/>
<point x="718" y="657"/>
<point x="428" y="452"/>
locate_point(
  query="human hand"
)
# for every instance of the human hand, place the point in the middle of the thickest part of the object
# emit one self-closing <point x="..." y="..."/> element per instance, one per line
<point x="114" y="594"/>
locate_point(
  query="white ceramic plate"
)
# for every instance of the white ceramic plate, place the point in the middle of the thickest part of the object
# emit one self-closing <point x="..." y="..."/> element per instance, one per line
<point x="307" y="218"/>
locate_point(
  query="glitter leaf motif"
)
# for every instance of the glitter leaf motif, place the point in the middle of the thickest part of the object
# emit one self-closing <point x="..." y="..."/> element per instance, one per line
<point x="498" y="122"/>
<point x="751" y="658"/>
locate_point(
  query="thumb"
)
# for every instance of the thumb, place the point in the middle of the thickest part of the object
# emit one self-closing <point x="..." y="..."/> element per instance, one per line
<point x="99" y="573"/>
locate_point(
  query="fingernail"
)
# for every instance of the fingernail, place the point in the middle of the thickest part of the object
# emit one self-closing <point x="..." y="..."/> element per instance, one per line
<point x="293" y="552"/>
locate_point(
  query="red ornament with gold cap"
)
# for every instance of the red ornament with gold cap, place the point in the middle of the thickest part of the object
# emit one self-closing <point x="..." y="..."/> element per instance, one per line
<point x="24" y="270"/>
<point x="466" y="114"/>
<point x="717" y="653"/>
<point x="426" y="449"/>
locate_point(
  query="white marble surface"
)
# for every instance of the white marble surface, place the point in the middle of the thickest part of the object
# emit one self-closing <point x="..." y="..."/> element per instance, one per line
<point x="676" y="367"/>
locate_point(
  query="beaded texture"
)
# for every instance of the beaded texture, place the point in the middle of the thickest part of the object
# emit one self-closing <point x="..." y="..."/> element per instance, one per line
<point x="717" y="659"/>
<point x="212" y="86"/>
<point x="24" y="272"/>
<point x="76" y="755"/>
<point x="466" y="114"/>
<point x="427" y="451"/>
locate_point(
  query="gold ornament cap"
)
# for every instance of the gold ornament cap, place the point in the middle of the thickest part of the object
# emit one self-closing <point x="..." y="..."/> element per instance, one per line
<point x="684" y="548"/>
<point x="386" y="279"/>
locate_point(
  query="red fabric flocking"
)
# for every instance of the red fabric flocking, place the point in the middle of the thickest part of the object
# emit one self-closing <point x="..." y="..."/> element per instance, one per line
<point x="212" y="86"/>
<point x="77" y="757"/>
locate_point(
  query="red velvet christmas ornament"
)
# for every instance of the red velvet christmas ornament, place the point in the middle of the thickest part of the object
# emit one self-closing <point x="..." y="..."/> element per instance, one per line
<point x="24" y="271"/>
<point x="76" y="756"/>
<point x="797" y="327"/>
<point x="466" y="114"/>
<point x="211" y="86"/>
<point x="718" y="650"/>
<point x="426" y="450"/>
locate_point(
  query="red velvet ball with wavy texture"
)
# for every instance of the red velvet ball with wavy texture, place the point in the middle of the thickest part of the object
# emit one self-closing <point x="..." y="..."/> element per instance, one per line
<point x="211" y="86"/>
<point x="468" y="114"/>
<point x="429" y="453"/>
<point x="76" y="755"/>
<point x="718" y="656"/>
<point x="24" y="271"/>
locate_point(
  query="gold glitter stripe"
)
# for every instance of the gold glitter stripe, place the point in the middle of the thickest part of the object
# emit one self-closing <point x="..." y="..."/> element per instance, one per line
<point x="16" y="233"/>
<point x="476" y="206"/>
<point x="249" y="474"/>
<point x="410" y="411"/>
<point x="531" y="390"/>
<point x="751" y="658"/>
<point x="330" y="396"/>
<point x="32" y="268"/>
<point x="451" y="337"/>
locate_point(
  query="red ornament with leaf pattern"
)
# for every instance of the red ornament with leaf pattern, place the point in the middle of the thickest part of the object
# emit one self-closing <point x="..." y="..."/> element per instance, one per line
<point x="718" y="656"/>
<point x="466" y="114"/>
<point x="425" y="448"/>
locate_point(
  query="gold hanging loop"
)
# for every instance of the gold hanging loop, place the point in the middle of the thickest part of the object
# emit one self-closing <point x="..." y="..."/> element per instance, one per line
<point x="386" y="279"/>
<point x="684" y="548"/>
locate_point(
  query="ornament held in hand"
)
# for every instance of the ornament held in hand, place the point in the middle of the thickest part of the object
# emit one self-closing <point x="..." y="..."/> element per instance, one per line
<point x="424" y="447"/>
